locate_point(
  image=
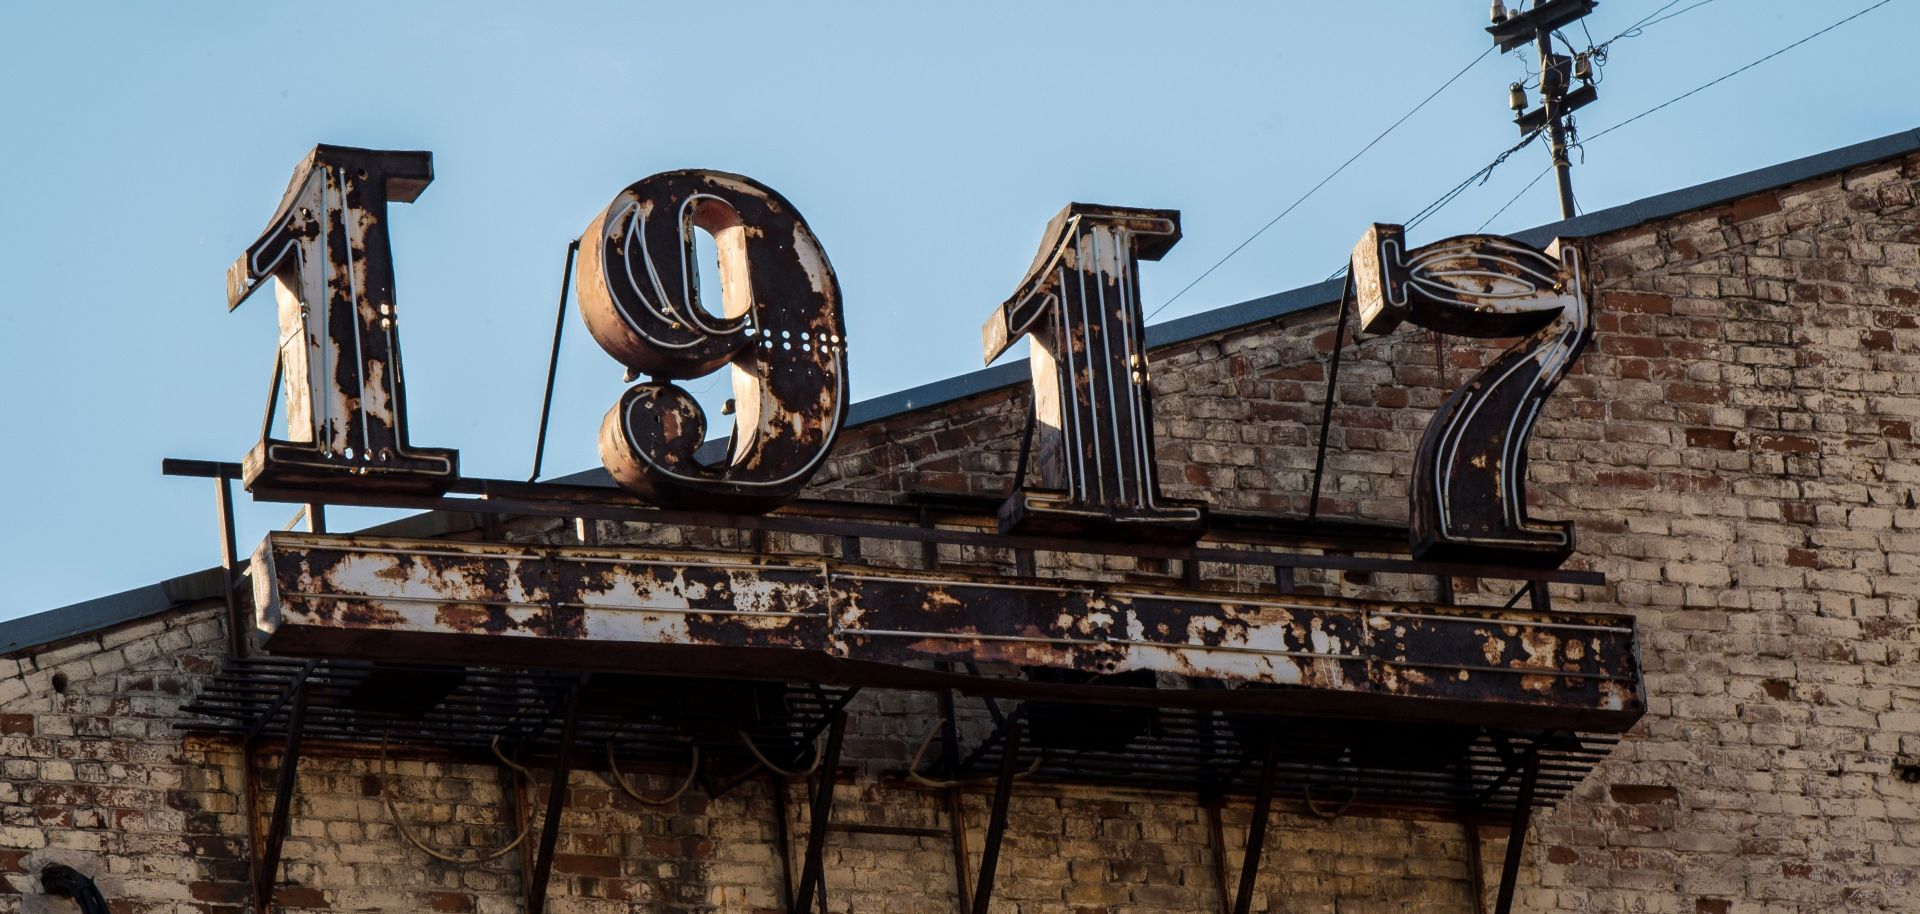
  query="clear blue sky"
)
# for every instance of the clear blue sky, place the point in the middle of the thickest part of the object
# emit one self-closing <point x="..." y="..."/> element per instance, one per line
<point x="146" y="145"/>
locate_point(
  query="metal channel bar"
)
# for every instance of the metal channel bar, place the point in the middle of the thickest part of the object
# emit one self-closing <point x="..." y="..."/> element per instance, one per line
<point x="506" y="497"/>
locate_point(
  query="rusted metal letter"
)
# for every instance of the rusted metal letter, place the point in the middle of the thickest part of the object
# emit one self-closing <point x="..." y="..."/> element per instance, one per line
<point x="780" y="331"/>
<point x="1093" y="434"/>
<point x="328" y="252"/>
<point x="1469" y="487"/>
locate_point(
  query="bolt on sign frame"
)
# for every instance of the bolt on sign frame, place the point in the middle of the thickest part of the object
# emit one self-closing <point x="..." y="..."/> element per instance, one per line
<point x="750" y="655"/>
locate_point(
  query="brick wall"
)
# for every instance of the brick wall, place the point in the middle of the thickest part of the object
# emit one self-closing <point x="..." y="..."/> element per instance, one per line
<point x="1736" y="449"/>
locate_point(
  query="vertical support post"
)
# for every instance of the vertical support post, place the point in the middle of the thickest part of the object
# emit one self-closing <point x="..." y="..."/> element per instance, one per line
<point x="1257" y="830"/>
<point x="556" y="803"/>
<point x="812" y="880"/>
<point x="929" y="550"/>
<point x="316" y="517"/>
<point x="1552" y="92"/>
<point x="237" y="628"/>
<point x="1445" y="587"/>
<point x="780" y="812"/>
<point x="1542" y="597"/>
<point x="267" y="871"/>
<point x="997" y="819"/>
<point x="1283" y="578"/>
<point x="1517" y="835"/>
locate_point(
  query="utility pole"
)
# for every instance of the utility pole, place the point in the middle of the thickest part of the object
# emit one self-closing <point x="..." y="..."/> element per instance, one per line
<point x="1536" y="25"/>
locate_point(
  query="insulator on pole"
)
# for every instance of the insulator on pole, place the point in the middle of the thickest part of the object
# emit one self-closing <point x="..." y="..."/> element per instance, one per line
<point x="1517" y="97"/>
<point x="1499" y="12"/>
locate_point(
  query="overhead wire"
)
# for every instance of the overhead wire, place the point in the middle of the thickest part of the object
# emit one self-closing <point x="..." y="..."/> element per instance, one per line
<point x="1323" y="181"/>
<point x="1581" y="143"/>
<point x="1714" y="82"/>
<point x="1514" y="199"/>
<point x="1481" y="175"/>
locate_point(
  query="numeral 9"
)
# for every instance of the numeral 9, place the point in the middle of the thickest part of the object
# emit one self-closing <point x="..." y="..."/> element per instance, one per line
<point x="779" y="329"/>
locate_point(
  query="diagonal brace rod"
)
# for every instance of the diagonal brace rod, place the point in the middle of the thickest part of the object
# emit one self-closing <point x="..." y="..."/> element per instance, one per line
<point x="556" y="804"/>
<point x="1257" y="831"/>
<point x="267" y="872"/>
<point x="997" y="819"/>
<point x="1517" y="836"/>
<point x="812" y="880"/>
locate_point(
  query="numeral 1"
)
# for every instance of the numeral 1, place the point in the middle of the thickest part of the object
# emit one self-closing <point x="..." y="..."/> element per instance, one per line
<point x="327" y="253"/>
<point x="1093" y="409"/>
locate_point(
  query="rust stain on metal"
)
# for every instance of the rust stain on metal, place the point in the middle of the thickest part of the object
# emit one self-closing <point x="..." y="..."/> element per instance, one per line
<point x="619" y="597"/>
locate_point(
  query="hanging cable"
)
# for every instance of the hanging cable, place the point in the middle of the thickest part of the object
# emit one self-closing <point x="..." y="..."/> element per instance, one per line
<point x="620" y="780"/>
<point x="913" y="764"/>
<point x="1306" y="793"/>
<point x="1514" y="199"/>
<point x="776" y="769"/>
<point x="393" y="813"/>
<point x="1481" y="176"/>
<point x="1323" y="181"/>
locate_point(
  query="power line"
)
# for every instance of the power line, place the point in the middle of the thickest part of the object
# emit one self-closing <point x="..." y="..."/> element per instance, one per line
<point x="1651" y="24"/>
<point x="1481" y="176"/>
<point x="1711" y="84"/>
<point x="1677" y="98"/>
<point x="1323" y="181"/>
<point x="1515" y="199"/>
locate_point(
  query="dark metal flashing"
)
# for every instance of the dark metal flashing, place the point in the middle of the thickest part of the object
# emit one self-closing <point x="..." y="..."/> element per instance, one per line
<point x="75" y="620"/>
<point x="78" y="619"/>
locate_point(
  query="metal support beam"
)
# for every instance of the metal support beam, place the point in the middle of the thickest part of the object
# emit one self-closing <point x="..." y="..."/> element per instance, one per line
<point x="556" y="803"/>
<point x="1517" y="835"/>
<point x="997" y="819"/>
<point x="929" y="550"/>
<point x="267" y="870"/>
<point x="237" y="627"/>
<point x="1257" y="831"/>
<point x="812" y="880"/>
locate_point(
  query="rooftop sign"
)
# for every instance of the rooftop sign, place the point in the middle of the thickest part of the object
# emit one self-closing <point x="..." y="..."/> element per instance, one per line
<point x="776" y="324"/>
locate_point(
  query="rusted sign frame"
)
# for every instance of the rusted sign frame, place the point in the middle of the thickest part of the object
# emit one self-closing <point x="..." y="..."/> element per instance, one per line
<point x="724" y="614"/>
